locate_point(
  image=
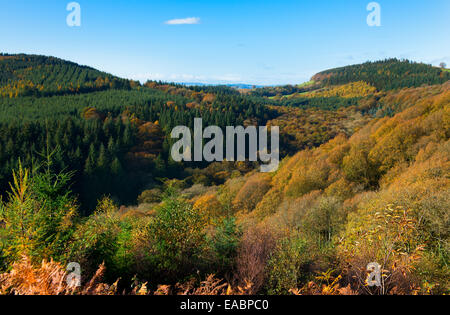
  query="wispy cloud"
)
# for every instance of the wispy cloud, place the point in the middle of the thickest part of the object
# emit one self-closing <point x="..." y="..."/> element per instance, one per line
<point x="189" y="20"/>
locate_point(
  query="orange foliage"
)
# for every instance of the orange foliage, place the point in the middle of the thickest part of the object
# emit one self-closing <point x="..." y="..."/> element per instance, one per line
<point x="252" y="192"/>
<point x="208" y="206"/>
<point x="49" y="279"/>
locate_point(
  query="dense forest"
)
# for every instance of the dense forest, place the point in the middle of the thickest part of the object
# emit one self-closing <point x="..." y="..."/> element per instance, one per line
<point x="388" y="74"/>
<point x="114" y="138"/>
<point x="30" y="75"/>
<point x="86" y="176"/>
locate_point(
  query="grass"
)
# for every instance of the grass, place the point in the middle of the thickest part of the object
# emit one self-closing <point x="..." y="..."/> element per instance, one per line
<point x="309" y="83"/>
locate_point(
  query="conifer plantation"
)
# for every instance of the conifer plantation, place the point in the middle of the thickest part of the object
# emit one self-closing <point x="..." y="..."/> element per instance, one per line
<point x="86" y="176"/>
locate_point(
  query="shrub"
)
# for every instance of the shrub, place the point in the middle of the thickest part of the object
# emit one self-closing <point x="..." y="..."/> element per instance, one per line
<point x="224" y="244"/>
<point x="38" y="217"/>
<point x="150" y="196"/>
<point x="254" y="252"/>
<point x="324" y="220"/>
<point x="285" y="265"/>
<point x="96" y="239"/>
<point x="208" y="206"/>
<point x="388" y="237"/>
<point x="177" y="232"/>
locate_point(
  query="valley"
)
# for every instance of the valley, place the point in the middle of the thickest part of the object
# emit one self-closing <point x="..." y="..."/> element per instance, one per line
<point x="86" y="165"/>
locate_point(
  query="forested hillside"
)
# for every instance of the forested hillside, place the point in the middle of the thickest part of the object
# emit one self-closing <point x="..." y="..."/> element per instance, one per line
<point x="32" y="75"/>
<point x="349" y="86"/>
<point x="385" y="75"/>
<point x="86" y="176"/>
<point x="113" y="135"/>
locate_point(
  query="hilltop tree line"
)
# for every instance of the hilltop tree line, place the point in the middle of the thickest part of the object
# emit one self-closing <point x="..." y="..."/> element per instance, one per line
<point x="388" y="74"/>
<point x="29" y="75"/>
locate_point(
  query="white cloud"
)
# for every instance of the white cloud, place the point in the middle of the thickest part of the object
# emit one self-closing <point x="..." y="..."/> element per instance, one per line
<point x="189" y="20"/>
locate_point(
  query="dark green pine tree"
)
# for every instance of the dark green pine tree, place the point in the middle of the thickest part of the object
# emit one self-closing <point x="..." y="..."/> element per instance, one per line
<point x="116" y="167"/>
<point x="103" y="160"/>
<point x="126" y="140"/>
<point x="89" y="167"/>
<point x="111" y="146"/>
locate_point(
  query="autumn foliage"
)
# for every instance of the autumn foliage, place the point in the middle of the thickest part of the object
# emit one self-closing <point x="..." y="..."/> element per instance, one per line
<point x="364" y="181"/>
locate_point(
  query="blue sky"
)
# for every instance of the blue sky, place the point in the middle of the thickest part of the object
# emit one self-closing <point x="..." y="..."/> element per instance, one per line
<point x="246" y="41"/>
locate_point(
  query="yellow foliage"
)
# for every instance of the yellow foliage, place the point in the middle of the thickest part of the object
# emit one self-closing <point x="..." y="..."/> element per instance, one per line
<point x="208" y="206"/>
<point x="252" y="192"/>
<point x="350" y="90"/>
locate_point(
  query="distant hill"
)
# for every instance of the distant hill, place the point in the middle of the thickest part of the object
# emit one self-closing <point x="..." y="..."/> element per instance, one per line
<point x="387" y="74"/>
<point x="27" y="75"/>
<point x="35" y="75"/>
<point x="353" y="85"/>
<point x="239" y="86"/>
